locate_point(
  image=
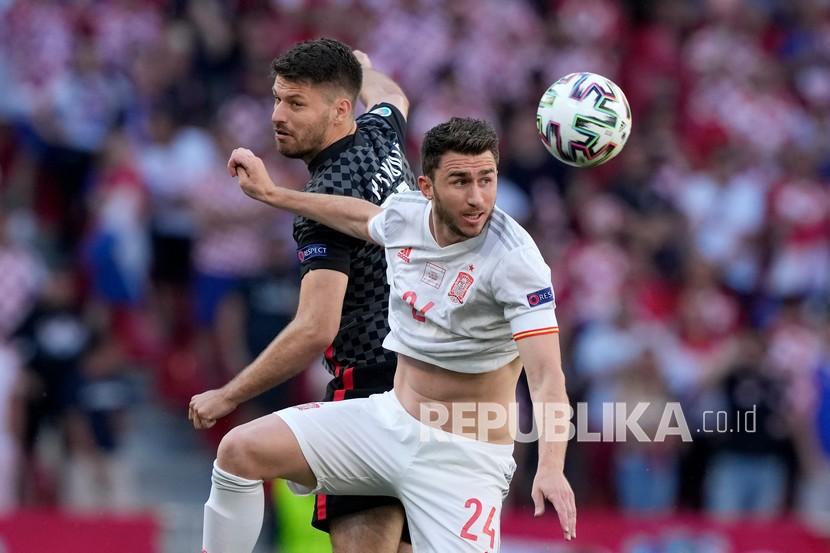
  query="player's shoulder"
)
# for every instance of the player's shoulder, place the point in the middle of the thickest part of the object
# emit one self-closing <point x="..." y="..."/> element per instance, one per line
<point x="508" y="235"/>
<point x="513" y="255"/>
<point x="402" y="216"/>
<point x="405" y="198"/>
<point x="382" y="115"/>
<point x="384" y="127"/>
<point x="404" y="207"/>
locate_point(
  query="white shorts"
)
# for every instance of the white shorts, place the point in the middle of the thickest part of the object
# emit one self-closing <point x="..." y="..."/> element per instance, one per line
<point x="451" y="487"/>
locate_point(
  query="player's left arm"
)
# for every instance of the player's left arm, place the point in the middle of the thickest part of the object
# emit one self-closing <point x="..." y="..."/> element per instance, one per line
<point x="522" y="284"/>
<point x="379" y="88"/>
<point x="542" y="361"/>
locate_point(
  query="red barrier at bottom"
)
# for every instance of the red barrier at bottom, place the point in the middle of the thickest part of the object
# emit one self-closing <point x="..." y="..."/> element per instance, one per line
<point x="52" y="532"/>
<point x="609" y="532"/>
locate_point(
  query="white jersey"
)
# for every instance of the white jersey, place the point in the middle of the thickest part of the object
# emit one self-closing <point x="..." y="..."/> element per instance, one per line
<point x="463" y="306"/>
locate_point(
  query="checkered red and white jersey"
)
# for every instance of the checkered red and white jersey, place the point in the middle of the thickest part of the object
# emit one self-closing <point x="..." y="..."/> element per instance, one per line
<point x="463" y="306"/>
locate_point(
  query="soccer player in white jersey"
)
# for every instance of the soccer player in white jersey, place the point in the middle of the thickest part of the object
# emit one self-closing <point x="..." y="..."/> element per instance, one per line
<point x="470" y="303"/>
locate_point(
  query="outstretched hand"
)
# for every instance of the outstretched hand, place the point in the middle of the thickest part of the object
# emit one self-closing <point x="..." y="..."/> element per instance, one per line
<point x="554" y="487"/>
<point x="253" y="177"/>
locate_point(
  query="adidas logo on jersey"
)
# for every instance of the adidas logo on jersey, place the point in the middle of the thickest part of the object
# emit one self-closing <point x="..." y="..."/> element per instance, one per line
<point x="404" y="254"/>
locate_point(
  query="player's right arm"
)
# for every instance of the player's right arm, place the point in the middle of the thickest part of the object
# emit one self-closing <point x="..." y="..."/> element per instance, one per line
<point x="350" y="216"/>
<point x="378" y="88"/>
<point x="313" y="329"/>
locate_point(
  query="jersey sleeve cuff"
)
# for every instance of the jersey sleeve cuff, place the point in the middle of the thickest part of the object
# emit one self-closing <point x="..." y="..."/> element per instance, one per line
<point x="536" y="332"/>
<point x="534" y="323"/>
<point x="330" y="264"/>
<point x="376" y="228"/>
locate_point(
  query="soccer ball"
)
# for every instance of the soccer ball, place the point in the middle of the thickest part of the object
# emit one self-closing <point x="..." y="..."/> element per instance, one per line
<point x="583" y="119"/>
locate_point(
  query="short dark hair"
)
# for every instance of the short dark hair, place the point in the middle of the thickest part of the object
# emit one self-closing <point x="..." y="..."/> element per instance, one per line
<point x="460" y="134"/>
<point x="321" y="61"/>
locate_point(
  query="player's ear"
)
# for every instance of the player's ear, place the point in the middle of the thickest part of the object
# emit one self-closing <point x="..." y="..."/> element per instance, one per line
<point x="425" y="186"/>
<point x="342" y="110"/>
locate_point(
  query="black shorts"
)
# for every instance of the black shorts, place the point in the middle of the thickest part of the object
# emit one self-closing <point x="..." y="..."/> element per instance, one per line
<point x="347" y="384"/>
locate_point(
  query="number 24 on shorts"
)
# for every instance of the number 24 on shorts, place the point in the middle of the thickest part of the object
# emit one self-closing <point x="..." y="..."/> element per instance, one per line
<point x="467" y="532"/>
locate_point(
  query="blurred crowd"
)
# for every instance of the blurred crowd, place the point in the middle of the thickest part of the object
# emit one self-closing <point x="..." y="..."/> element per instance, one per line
<point x="694" y="268"/>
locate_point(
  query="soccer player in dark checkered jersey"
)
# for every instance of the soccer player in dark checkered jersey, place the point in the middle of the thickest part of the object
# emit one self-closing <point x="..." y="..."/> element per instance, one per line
<point x="343" y="303"/>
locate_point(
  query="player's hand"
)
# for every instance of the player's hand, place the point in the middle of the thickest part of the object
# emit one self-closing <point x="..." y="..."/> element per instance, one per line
<point x="253" y="177"/>
<point x="553" y="486"/>
<point x="207" y="407"/>
<point x="363" y="58"/>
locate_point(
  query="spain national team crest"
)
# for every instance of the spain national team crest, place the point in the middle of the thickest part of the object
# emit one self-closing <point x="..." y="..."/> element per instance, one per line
<point x="460" y="287"/>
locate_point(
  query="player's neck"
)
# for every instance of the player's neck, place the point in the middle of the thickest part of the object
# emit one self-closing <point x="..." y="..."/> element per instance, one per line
<point x="336" y="134"/>
<point x="443" y="235"/>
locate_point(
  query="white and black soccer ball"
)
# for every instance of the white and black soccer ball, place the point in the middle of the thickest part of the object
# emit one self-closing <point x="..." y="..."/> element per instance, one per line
<point x="584" y="119"/>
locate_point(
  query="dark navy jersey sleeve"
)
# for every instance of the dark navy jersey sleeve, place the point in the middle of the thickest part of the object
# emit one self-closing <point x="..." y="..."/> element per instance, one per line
<point x="318" y="246"/>
<point x="323" y="248"/>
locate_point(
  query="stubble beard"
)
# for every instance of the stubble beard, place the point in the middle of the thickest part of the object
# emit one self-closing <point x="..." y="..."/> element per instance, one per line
<point x="309" y="144"/>
<point x="447" y="219"/>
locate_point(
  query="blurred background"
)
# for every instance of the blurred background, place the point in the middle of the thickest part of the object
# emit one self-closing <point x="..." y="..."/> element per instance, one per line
<point x="694" y="268"/>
